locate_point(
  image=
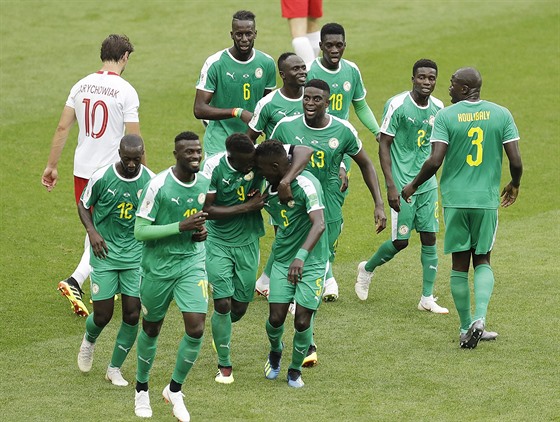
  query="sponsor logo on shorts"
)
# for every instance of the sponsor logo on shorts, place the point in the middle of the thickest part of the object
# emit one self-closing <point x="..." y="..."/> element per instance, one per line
<point x="403" y="230"/>
<point x="94" y="288"/>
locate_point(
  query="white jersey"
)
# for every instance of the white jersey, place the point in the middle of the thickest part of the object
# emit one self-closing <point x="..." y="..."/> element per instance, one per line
<point x="102" y="102"/>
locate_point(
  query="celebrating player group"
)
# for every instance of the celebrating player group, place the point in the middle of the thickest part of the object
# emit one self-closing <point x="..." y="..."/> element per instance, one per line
<point x="193" y="230"/>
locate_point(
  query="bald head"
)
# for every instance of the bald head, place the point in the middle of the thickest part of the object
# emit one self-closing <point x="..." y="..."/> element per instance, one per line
<point x="465" y="85"/>
<point x="470" y="77"/>
<point x="131" y="141"/>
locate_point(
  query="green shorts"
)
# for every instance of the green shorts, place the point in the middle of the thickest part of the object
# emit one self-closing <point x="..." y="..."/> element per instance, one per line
<point x="105" y="284"/>
<point x="470" y="228"/>
<point x="421" y="214"/>
<point x="333" y="233"/>
<point x="232" y="271"/>
<point x="190" y="291"/>
<point x="307" y="292"/>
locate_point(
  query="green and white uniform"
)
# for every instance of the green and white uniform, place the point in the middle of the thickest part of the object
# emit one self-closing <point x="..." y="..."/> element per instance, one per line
<point x="232" y="246"/>
<point x="114" y="200"/>
<point x="294" y="225"/>
<point x="233" y="84"/>
<point x="273" y="108"/>
<point x="330" y="144"/>
<point x="173" y="267"/>
<point x="475" y="133"/>
<point x="410" y="125"/>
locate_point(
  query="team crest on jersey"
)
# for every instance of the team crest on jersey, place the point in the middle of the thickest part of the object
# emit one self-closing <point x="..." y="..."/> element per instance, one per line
<point x="249" y="176"/>
<point x="94" y="288"/>
<point x="201" y="198"/>
<point x="258" y="72"/>
<point x="431" y="121"/>
<point x="291" y="203"/>
<point x="333" y="143"/>
<point x="347" y="86"/>
<point x="139" y="193"/>
<point x="403" y="230"/>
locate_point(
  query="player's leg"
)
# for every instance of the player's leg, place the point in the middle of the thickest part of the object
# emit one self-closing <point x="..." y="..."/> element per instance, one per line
<point x="263" y="282"/>
<point x="330" y="291"/>
<point x="313" y="28"/>
<point x="191" y="294"/>
<point x="296" y="13"/>
<point x="128" y="331"/>
<point x="246" y="260"/>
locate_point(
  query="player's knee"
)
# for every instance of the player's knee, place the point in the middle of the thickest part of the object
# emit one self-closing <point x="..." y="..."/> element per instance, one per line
<point x="101" y="319"/>
<point x="302" y="324"/>
<point x="400" y="244"/>
<point x="222" y="306"/>
<point x="131" y="317"/>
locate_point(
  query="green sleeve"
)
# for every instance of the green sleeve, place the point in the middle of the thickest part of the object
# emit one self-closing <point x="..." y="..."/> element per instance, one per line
<point x="145" y="230"/>
<point x="366" y="116"/>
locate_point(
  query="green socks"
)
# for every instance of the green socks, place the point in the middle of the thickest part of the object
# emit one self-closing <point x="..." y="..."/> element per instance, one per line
<point x="189" y="348"/>
<point x="146" y="350"/>
<point x="429" y="261"/>
<point x="275" y="336"/>
<point x="462" y="297"/>
<point x="221" y="333"/>
<point x="302" y="341"/>
<point x="483" y="286"/>
<point x="384" y="254"/>
<point x="125" y="340"/>
<point x="92" y="330"/>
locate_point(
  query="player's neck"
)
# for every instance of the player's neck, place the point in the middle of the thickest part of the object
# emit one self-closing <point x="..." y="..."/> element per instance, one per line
<point x="421" y="100"/>
<point x="183" y="176"/>
<point x="318" y="122"/>
<point x="242" y="57"/>
<point x="329" y="66"/>
<point x="113" y="67"/>
<point x="292" y="92"/>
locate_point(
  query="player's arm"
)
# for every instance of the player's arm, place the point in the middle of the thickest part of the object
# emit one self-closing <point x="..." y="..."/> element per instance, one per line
<point x="366" y="116"/>
<point x="98" y="245"/>
<point x="253" y="134"/>
<point x="370" y="178"/>
<point x="385" y="142"/>
<point x="511" y="190"/>
<point x="203" y="110"/>
<point x="317" y="228"/>
<point x="144" y="229"/>
<point x="429" y="168"/>
<point x="300" y="158"/>
<point x="255" y="202"/>
<point x="133" y="128"/>
<point x="50" y="174"/>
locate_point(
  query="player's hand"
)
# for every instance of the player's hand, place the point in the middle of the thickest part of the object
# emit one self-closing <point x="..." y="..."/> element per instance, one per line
<point x="285" y="192"/>
<point x="509" y="195"/>
<point x="394" y="198"/>
<point x="256" y="201"/>
<point x="193" y="222"/>
<point x="343" y="176"/>
<point x="380" y="219"/>
<point x="98" y="245"/>
<point x="200" y="235"/>
<point x="407" y="192"/>
<point x="49" y="178"/>
<point x="295" y="271"/>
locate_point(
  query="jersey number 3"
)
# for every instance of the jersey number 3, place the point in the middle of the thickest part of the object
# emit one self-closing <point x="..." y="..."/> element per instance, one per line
<point x="477" y="135"/>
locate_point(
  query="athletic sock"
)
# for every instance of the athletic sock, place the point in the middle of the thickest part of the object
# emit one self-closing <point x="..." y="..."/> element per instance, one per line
<point x="174" y="386"/>
<point x="314" y="39"/>
<point x="302" y="341"/>
<point x="384" y="254"/>
<point x="83" y="269"/>
<point x="189" y="348"/>
<point x="462" y="297"/>
<point x="329" y="274"/>
<point x="92" y="330"/>
<point x="274" y="336"/>
<point x="146" y="350"/>
<point x="125" y="340"/>
<point x="302" y="47"/>
<point x="429" y="259"/>
<point x="483" y="286"/>
<point x="221" y="333"/>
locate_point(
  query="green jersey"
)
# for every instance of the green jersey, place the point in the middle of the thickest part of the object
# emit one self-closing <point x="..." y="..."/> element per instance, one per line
<point x="474" y="133"/>
<point x="330" y="144"/>
<point x="271" y="109"/>
<point x="232" y="188"/>
<point x="293" y="221"/>
<point x="114" y="200"/>
<point x="233" y="84"/>
<point x="167" y="200"/>
<point x="410" y="125"/>
<point x="345" y="83"/>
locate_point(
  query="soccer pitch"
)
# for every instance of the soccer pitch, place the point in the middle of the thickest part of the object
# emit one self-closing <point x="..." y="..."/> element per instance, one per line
<point x="379" y="360"/>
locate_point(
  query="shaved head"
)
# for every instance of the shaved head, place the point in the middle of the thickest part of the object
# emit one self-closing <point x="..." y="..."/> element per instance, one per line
<point x="131" y="141"/>
<point x="469" y="76"/>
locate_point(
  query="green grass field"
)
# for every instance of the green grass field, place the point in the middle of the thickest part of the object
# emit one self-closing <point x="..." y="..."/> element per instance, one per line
<point x="380" y="360"/>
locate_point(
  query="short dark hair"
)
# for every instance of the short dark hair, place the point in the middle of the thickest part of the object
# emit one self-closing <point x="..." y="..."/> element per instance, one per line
<point x="424" y="63"/>
<point x="270" y="148"/>
<point x="332" y="29"/>
<point x="244" y="15"/>
<point x="318" y="83"/>
<point x="186" y="136"/>
<point x="131" y="140"/>
<point x="283" y="57"/>
<point x="239" y="142"/>
<point x="114" y="47"/>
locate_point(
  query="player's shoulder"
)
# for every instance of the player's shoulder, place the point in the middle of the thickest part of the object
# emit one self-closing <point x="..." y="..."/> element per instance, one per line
<point x="215" y="58"/>
<point x="211" y="163"/>
<point x="289" y="119"/>
<point x="337" y="121"/>
<point x="147" y="171"/>
<point x="397" y="100"/>
<point x="269" y="98"/>
<point x="437" y="102"/>
<point x="262" y="55"/>
<point x="350" y="64"/>
<point x="101" y="172"/>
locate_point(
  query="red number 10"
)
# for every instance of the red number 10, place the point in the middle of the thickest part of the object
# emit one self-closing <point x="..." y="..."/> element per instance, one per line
<point x="90" y="118"/>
